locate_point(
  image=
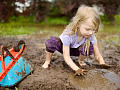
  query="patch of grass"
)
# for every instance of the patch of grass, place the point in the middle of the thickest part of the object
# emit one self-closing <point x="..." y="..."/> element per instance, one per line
<point x="16" y="88"/>
<point x="55" y="21"/>
<point x="20" y="20"/>
<point x="111" y="29"/>
<point x="25" y="25"/>
<point x="13" y="29"/>
<point x="117" y="19"/>
<point x="113" y="40"/>
<point x="23" y="19"/>
<point x="110" y="34"/>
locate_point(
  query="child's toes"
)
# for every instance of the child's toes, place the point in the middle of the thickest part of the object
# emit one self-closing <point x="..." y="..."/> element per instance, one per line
<point x="44" y="66"/>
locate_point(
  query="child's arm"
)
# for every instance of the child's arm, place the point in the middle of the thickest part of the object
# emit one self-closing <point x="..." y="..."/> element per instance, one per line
<point x="67" y="58"/>
<point x="97" y="54"/>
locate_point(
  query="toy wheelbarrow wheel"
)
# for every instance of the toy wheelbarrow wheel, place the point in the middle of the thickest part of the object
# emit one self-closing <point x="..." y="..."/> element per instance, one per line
<point x="17" y="45"/>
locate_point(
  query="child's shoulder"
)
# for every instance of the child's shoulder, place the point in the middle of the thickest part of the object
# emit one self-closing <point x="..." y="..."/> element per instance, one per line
<point x="93" y="39"/>
<point x="66" y="34"/>
<point x="67" y="31"/>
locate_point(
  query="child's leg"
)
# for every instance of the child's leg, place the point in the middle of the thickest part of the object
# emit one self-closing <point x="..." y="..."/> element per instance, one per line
<point x="48" y="59"/>
<point x="83" y="54"/>
<point x="80" y="60"/>
<point x="52" y="44"/>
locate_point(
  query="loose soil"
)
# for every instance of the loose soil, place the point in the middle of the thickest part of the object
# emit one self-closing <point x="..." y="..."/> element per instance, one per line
<point x="59" y="76"/>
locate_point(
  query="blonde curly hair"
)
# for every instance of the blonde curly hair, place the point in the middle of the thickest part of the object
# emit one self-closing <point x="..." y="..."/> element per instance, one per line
<point x="84" y="12"/>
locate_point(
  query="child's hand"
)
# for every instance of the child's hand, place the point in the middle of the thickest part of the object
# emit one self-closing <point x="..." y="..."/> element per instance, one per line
<point x="105" y="66"/>
<point x="102" y="66"/>
<point x="80" y="72"/>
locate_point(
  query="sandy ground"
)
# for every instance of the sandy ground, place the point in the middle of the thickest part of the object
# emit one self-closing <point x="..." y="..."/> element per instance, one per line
<point x="58" y="75"/>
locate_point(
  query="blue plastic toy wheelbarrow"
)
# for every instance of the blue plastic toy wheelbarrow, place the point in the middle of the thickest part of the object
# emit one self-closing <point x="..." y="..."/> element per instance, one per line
<point x="13" y="67"/>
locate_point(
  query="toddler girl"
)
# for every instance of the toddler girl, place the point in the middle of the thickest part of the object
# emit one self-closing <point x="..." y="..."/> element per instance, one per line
<point x="77" y="39"/>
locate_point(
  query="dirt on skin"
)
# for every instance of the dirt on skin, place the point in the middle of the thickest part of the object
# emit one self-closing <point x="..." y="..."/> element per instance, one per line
<point x="57" y="76"/>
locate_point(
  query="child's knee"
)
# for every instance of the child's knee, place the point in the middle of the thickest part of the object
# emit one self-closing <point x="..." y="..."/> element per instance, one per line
<point x="53" y="44"/>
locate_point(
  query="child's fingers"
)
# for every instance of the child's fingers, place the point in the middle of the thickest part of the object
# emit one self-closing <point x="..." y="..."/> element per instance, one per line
<point x="85" y="70"/>
<point x="85" y="73"/>
<point x="105" y="66"/>
<point x="77" y="74"/>
<point x="80" y="72"/>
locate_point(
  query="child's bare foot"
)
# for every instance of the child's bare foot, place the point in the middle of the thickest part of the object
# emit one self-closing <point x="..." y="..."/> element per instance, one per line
<point x="45" y="65"/>
<point x="81" y="63"/>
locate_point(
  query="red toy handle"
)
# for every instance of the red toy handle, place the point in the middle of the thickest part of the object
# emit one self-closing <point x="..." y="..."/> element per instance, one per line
<point x="3" y="48"/>
<point x="3" y="55"/>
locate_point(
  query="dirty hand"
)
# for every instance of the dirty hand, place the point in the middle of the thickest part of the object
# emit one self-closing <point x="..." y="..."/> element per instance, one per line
<point x="80" y="72"/>
<point x="105" y="66"/>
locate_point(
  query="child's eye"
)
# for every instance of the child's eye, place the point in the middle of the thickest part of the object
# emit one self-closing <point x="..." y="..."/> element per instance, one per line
<point x="93" y="30"/>
<point x="87" y="29"/>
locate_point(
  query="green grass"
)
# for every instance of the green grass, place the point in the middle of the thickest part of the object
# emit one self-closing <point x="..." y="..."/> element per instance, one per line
<point x="16" y="88"/>
<point x="111" y="29"/>
<point x="113" y="39"/>
<point x="55" y="21"/>
<point x="110" y="34"/>
<point x="17" y="26"/>
<point x="25" y="25"/>
<point x="30" y="20"/>
<point x="13" y="29"/>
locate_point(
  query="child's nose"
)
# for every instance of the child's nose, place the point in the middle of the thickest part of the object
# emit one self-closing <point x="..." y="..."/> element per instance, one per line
<point x="90" y="32"/>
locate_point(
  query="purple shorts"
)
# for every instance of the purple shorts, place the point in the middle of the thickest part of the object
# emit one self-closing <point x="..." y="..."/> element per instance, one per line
<point x="54" y="43"/>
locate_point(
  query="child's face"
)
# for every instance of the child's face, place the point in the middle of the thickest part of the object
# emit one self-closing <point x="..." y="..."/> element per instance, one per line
<point x="87" y="28"/>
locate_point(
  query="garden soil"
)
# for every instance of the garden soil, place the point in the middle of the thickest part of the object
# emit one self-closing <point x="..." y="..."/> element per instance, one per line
<point x="59" y="76"/>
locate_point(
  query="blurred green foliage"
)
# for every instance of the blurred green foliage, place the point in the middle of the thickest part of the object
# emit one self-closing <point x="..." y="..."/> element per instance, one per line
<point x="52" y="20"/>
<point x="55" y="21"/>
<point x="22" y="20"/>
<point x="117" y="19"/>
<point x="105" y="20"/>
<point x="54" y="12"/>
